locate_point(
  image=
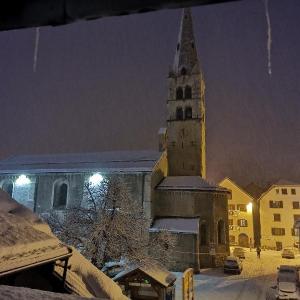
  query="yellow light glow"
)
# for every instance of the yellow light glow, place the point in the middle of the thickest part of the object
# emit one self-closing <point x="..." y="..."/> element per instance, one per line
<point x="95" y="179"/>
<point x="22" y="180"/>
<point x="249" y="207"/>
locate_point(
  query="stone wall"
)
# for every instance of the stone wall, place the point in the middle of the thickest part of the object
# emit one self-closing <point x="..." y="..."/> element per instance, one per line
<point x="210" y="207"/>
<point x="41" y="188"/>
<point x="185" y="254"/>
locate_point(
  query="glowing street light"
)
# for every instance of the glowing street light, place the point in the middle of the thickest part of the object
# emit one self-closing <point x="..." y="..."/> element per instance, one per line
<point x="22" y="180"/>
<point x="95" y="179"/>
<point x="249" y="207"/>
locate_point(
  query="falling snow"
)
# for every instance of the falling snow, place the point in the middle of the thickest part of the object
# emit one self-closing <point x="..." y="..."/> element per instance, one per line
<point x="269" y="33"/>
<point x="36" y="48"/>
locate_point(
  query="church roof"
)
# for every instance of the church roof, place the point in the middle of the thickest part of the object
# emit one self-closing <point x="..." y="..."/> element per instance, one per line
<point x="182" y="225"/>
<point x="109" y="161"/>
<point x="188" y="183"/>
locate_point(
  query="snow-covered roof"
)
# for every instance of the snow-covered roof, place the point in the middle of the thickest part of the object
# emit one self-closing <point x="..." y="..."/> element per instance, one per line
<point x="22" y="244"/>
<point x="25" y="240"/>
<point x="188" y="183"/>
<point x="109" y="161"/>
<point x="17" y="293"/>
<point x="182" y="225"/>
<point x="157" y="273"/>
<point x="221" y="183"/>
<point x="284" y="182"/>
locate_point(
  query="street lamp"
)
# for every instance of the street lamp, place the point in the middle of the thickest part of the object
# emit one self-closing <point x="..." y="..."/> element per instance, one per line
<point x="95" y="179"/>
<point x="249" y="207"/>
<point x="22" y="180"/>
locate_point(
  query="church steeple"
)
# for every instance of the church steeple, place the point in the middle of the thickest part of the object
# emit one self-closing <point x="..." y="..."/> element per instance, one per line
<point x="186" y="107"/>
<point x="186" y="60"/>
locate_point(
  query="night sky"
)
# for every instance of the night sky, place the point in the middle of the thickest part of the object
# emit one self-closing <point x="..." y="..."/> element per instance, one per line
<point x="102" y="85"/>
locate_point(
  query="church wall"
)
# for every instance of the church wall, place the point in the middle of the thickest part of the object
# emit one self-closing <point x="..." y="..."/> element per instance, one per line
<point x="210" y="207"/>
<point x="159" y="172"/>
<point x="45" y="189"/>
<point x="41" y="188"/>
<point x="185" y="254"/>
<point x="22" y="193"/>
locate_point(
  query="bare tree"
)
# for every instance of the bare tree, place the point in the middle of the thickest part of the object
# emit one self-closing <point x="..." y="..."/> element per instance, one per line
<point x="111" y="225"/>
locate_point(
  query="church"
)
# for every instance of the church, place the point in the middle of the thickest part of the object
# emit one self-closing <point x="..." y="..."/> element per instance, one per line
<point x="170" y="183"/>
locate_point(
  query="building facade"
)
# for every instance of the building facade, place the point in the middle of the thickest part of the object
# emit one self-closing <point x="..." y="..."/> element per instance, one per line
<point x="240" y="217"/>
<point x="279" y="210"/>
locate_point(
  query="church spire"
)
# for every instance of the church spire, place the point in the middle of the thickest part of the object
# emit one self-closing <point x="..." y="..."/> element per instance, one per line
<point x="186" y="61"/>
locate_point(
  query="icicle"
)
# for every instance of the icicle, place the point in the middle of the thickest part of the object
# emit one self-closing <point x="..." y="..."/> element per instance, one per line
<point x="269" y="42"/>
<point x="36" y="48"/>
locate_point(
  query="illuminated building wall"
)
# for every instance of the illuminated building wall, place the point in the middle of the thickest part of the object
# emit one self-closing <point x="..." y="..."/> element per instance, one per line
<point x="279" y="208"/>
<point x="240" y="217"/>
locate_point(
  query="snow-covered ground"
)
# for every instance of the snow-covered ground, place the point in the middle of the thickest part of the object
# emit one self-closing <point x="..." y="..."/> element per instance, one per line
<point x="256" y="279"/>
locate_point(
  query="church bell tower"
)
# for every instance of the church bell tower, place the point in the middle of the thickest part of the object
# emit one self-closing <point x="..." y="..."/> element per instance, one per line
<point x="186" y="107"/>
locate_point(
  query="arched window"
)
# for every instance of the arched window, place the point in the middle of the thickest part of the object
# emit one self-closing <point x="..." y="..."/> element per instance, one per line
<point x="188" y="92"/>
<point x="8" y="187"/>
<point x="183" y="71"/>
<point x="203" y="234"/>
<point x="179" y="93"/>
<point x="188" y="113"/>
<point x="60" y="195"/>
<point x="221" y="232"/>
<point x="179" y="113"/>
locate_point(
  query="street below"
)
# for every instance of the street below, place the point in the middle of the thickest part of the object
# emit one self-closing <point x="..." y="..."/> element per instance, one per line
<point x="254" y="283"/>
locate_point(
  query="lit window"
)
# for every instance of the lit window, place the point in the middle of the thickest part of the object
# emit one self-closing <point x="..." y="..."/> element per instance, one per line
<point x="230" y="222"/>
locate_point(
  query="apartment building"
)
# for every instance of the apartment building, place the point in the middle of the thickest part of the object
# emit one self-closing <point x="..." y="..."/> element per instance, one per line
<point x="240" y="217"/>
<point x="279" y="210"/>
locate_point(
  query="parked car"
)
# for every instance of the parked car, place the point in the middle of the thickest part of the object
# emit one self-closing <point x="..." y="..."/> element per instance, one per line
<point x="288" y="253"/>
<point x="287" y="283"/>
<point x="233" y="264"/>
<point x="239" y="252"/>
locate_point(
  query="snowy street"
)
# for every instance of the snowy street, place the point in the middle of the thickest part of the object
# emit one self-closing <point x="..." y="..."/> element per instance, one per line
<point x="257" y="277"/>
